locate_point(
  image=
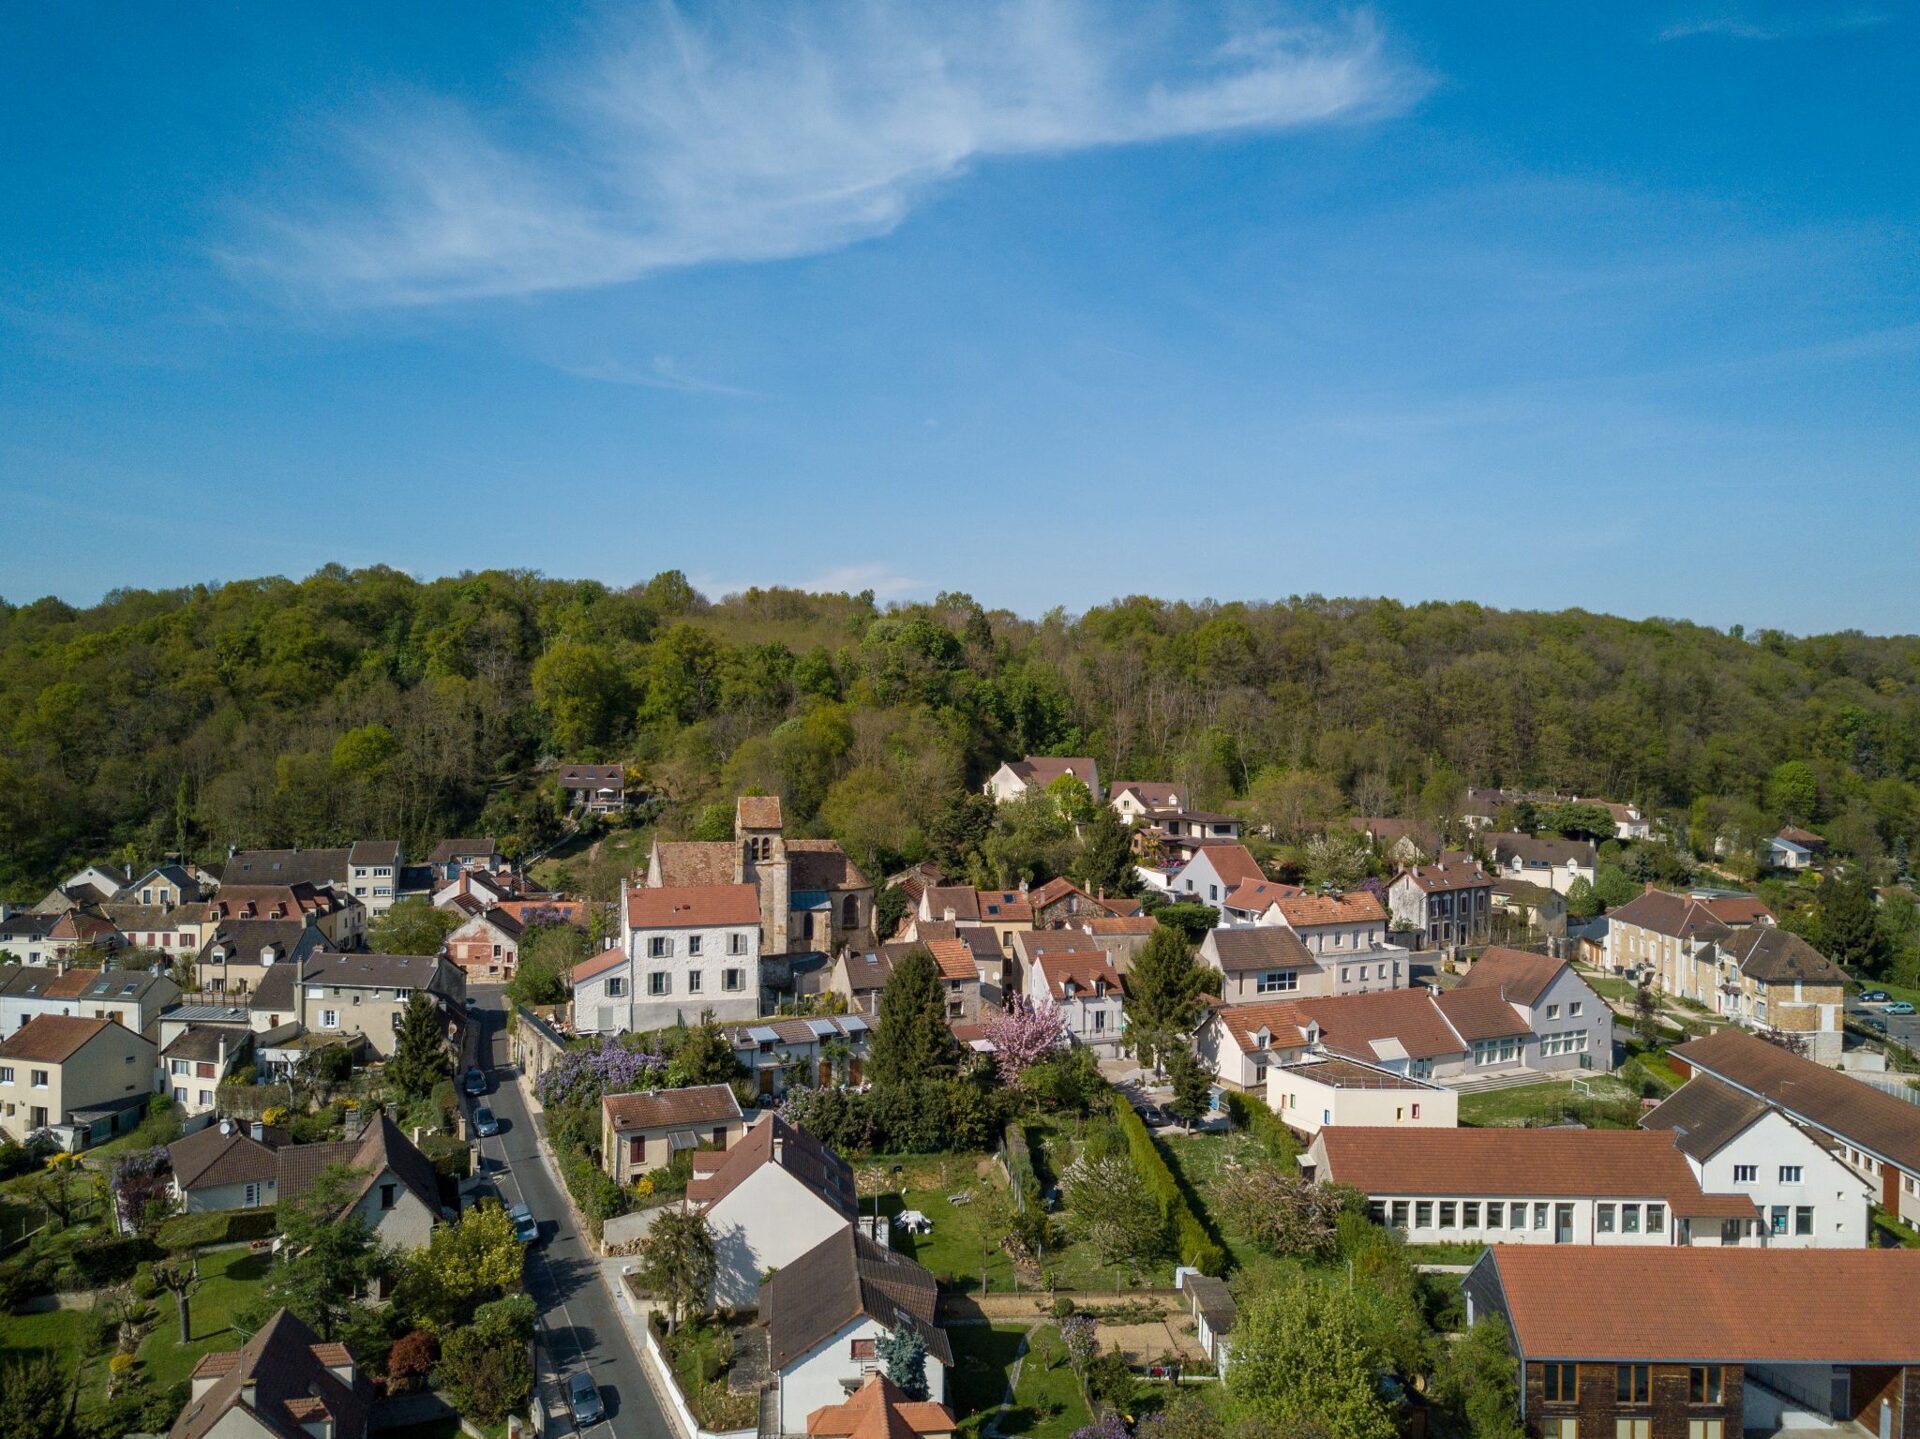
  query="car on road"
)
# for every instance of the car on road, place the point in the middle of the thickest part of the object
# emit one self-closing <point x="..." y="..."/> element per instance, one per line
<point x="476" y="1081"/>
<point x="1899" y="1006"/>
<point x="1875" y="996"/>
<point x="484" y="1124"/>
<point x="525" y="1227"/>
<point x="584" y="1400"/>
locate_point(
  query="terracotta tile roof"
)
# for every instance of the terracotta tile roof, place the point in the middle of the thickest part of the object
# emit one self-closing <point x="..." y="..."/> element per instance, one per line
<point x="268" y="901"/>
<point x="52" y="1038"/>
<point x="1085" y="970"/>
<point x="955" y="959"/>
<point x="773" y="1141"/>
<point x="1054" y="890"/>
<point x="703" y="1104"/>
<point x="1118" y="924"/>
<point x="694" y="862"/>
<point x="1522" y="1163"/>
<point x="1674" y="915"/>
<point x="1738" y="909"/>
<point x="1454" y="872"/>
<point x="1004" y="906"/>
<point x="1723" y="1306"/>
<point x="1355" y="907"/>
<point x="1386" y="1024"/>
<point x="1042" y="770"/>
<point x="1261" y="947"/>
<point x="878" y="1410"/>
<point x="1258" y="894"/>
<point x="1865" y="1117"/>
<point x="692" y="906"/>
<point x="1518" y="976"/>
<point x="1283" y="1020"/>
<point x="1233" y="862"/>
<point x="1119" y="904"/>
<point x="962" y="899"/>
<point x="587" y="969"/>
<point x="757" y="811"/>
<point x="1480" y="1014"/>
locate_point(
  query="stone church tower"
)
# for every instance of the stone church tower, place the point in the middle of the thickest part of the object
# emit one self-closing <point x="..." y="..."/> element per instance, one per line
<point x="760" y="859"/>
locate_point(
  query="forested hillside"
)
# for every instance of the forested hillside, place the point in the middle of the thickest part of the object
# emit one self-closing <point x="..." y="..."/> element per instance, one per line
<point x="268" y="712"/>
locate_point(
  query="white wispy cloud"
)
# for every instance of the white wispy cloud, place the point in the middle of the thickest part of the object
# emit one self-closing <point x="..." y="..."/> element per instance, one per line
<point x="1808" y="19"/>
<point x="663" y="372"/>
<point x="762" y="131"/>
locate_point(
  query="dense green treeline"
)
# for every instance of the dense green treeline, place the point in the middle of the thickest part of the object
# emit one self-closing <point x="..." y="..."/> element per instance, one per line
<point x="367" y="703"/>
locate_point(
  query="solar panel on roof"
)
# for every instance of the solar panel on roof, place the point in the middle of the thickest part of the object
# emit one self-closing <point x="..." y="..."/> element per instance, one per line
<point x="822" y="1028"/>
<point x="760" y="1034"/>
<point x="852" y="1023"/>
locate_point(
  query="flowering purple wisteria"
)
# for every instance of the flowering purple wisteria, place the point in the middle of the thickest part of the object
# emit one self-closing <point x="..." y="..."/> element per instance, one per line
<point x="582" y="1076"/>
<point x="1108" y="1426"/>
<point x="141" y="1179"/>
<point x="1026" y="1034"/>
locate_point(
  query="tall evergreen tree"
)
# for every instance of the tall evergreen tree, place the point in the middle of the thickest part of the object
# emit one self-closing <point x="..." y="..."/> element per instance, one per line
<point x="904" y="1353"/>
<point x="1163" y="995"/>
<point x="420" y="1057"/>
<point x="1847" y="926"/>
<point x="912" y="1041"/>
<point x="1192" y="1087"/>
<point x="1105" y="861"/>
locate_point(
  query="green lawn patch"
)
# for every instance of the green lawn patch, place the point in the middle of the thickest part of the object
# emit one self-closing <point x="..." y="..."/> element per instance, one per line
<point x="57" y="1333"/>
<point x="1046" y="1403"/>
<point x="229" y="1280"/>
<point x="1613" y="1104"/>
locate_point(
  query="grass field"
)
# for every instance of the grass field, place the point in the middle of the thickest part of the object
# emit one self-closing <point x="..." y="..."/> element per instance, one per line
<point x="1203" y="1160"/>
<point x="229" y="1278"/>
<point x="1046" y="1402"/>
<point x="627" y="847"/>
<point x="1554" y="1101"/>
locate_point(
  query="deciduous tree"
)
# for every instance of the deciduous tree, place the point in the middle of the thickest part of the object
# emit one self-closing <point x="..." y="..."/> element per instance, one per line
<point x="678" y="1261"/>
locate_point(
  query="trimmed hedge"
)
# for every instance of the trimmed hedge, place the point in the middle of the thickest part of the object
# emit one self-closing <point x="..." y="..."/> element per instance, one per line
<point x="1196" y="1247"/>
<point x="1282" y="1147"/>
<point x="221" y="1226"/>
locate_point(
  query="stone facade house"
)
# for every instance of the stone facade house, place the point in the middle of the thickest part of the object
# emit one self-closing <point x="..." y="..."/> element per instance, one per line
<point x="339" y="995"/>
<point x="690" y="950"/>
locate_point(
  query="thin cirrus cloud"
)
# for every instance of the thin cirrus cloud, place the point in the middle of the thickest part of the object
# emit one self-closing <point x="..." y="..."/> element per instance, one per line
<point x="752" y="133"/>
<point x="1808" y="20"/>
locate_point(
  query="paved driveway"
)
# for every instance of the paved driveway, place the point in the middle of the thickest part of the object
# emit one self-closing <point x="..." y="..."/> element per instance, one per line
<point x="583" y="1328"/>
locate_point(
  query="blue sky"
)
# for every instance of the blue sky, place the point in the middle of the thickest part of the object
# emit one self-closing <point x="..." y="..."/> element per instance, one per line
<point x="1047" y="300"/>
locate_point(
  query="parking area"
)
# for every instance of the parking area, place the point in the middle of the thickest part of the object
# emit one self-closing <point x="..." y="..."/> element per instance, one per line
<point x="1902" y="1029"/>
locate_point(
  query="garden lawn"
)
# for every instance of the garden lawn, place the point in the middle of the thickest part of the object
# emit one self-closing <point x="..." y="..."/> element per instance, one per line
<point x="229" y="1280"/>
<point x="1047" y="1403"/>
<point x="58" y="1333"/>
<point x="1612" y="1106"/>
<point x="1203" y="1160"/>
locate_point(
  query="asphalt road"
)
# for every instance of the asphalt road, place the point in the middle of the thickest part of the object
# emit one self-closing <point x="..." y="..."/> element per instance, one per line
<point x="583" y="1328"/>
<point x="1900" y="1028"/>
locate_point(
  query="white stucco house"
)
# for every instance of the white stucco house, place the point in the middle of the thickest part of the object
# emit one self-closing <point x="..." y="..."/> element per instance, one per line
<point x="690" y="950"/>
<point x="824" y="1313"/>
<point x="1739" y="1144"/>
<point x="776" y="1195"/>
